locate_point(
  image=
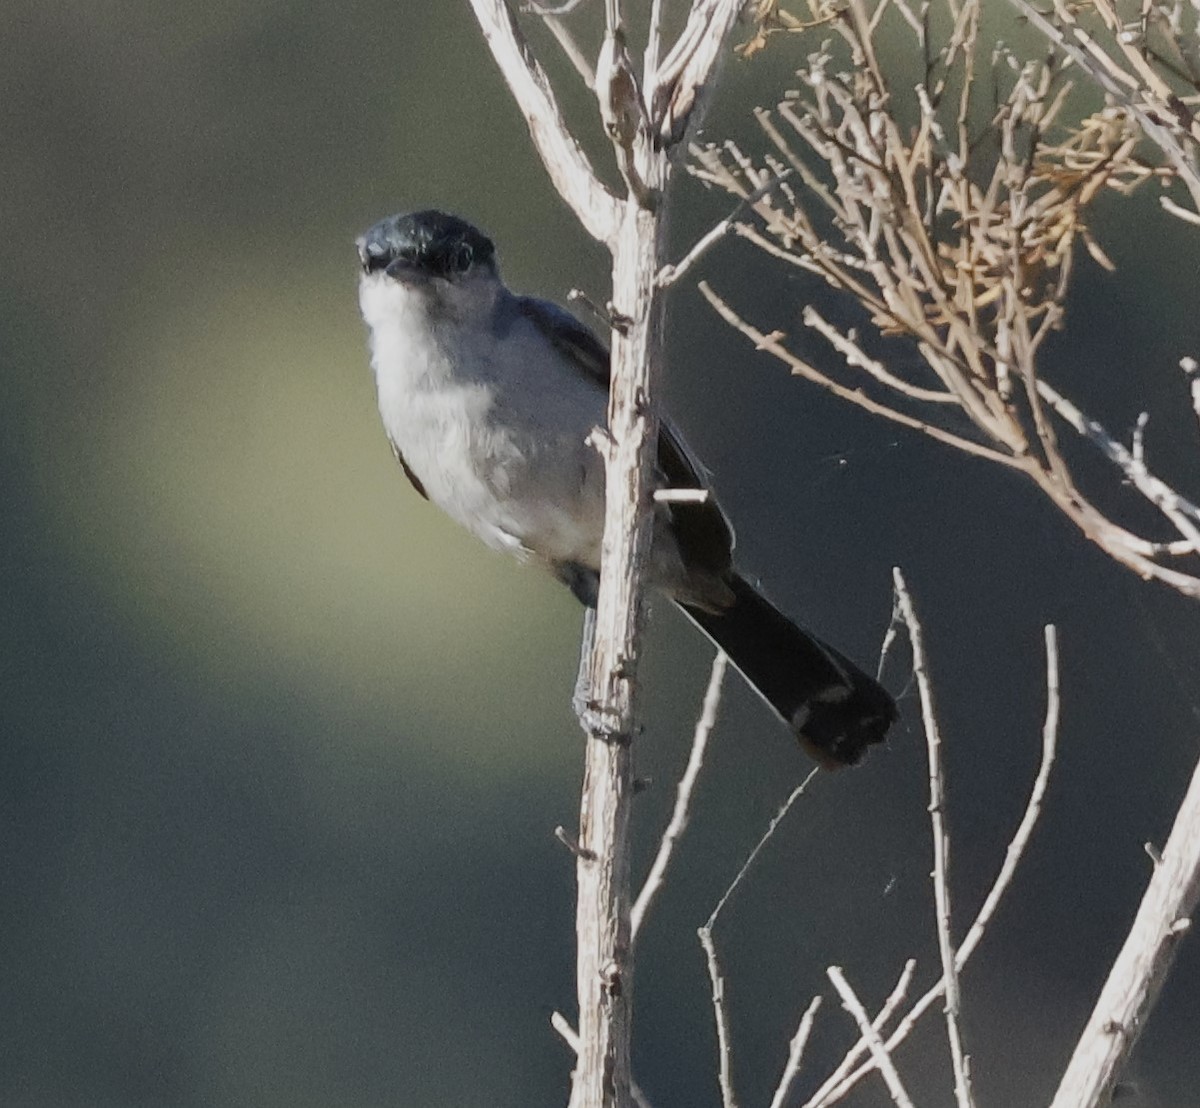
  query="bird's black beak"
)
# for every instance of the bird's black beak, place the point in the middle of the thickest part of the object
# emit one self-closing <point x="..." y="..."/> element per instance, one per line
<point x="401" y="269"/>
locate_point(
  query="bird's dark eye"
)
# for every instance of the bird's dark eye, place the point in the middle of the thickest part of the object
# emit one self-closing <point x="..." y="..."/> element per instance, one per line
<point x="374" y="262"/>
<point x="464" y="255"/>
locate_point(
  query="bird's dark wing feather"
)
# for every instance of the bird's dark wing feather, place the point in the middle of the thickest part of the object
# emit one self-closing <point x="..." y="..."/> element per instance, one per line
<point x="413" y="479"/>
<point x="704" y="535"/>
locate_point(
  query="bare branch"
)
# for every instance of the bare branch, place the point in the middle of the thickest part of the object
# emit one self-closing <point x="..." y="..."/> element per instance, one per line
<point x="855" y="356"/>
<point x="795" y="1054"/>
<point x="653" y="44"/>
<point x="1181" y="512"/>
<point x="961" y="247"/>
<point x="671" y="274"/>
<point x="575" y="55"/>
<point x="728" y="1100"/>
<point x="683" y="74"/>
<point x="681" y="496"/>
<point x="895" y="998"/>
<point x="941" y="843"/>
<point x="833" y="1091"/>
<point x="772" y="344"/>
<point x="1142" y="95"/>
<point x="1191" y="369"/>
<point x="565" y="161"/>
<point x="879" y="1052"/>
<point x="683" y="796"/>
<point x="1137" y="975"/>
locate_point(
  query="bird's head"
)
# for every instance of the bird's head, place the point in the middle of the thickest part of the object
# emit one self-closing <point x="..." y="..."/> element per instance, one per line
<point x="427" y="261"/>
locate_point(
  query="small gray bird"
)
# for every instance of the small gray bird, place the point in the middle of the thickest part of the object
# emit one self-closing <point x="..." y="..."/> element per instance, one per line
<point x="488" y="400"/>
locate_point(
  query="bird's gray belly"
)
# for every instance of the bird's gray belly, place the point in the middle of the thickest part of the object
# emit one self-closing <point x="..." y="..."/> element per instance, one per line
<point x="513" y="482"/>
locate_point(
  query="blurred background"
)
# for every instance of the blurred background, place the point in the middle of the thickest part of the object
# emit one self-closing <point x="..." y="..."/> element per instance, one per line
<point x="281" y="750"/>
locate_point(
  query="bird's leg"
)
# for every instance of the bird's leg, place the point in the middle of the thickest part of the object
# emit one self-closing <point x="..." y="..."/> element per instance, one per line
<point x="581" y="701"/>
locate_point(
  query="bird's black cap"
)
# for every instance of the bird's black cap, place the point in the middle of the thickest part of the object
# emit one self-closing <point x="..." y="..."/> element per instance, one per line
<point x="430" y="242"/>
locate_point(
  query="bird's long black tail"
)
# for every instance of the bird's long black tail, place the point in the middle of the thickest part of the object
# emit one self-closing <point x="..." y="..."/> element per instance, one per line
<point x="833" y="708"/>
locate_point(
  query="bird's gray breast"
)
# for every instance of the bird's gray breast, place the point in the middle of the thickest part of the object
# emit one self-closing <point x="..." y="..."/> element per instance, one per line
<point x="494" y="424"/>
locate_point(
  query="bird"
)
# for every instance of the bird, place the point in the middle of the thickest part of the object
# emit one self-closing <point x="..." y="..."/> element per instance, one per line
<point x="489" y="400"/>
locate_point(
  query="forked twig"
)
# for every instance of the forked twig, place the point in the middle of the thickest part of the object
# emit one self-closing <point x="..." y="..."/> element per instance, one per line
<point x="710" y="951"/>
<point x="841" y="1083"/>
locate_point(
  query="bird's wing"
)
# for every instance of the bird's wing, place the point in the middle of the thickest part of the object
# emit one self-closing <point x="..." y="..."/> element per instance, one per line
<point x="413" y="479"/>
<point x="703" y="532"/>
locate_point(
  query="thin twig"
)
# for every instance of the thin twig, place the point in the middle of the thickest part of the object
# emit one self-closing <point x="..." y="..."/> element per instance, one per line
<point x="895" y="998"/>
<point x="772" y="344"/>
<point x="710" y="950"/>
<point x="879" y="1052"/>
<point x="575" y="55"/>
<point x="565" y="161"/>
<point x="941" y="843"/>
<point x="832" y="1093"/>
<point x="653" y="44"/>
<point x="681" y="496"/>
<point x="728" y="1100"/>
<point x="856" y="356"/>
<point x="795" y="1054"/>
<point x="1186" y="214"/>
<point x="1184" y="514"/>
<point x="1191" y="370"/>
<point x="671" y="274"/>
<point x="683" y="796"/>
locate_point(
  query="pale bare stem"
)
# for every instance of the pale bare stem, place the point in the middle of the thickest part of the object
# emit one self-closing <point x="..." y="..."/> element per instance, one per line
<point x="843" y="1082"/>
<point x="1182" y="513"/>
<point x="879" y="1052"/>
<point x="941" y="843"/>
<point x="1033" y="807"/>
<point x="575" y="55"/>
<point x="773" y="345"/>
<point x="795" y="1054"/>
<point x="681" y="496"/>
<point x="1169" y="205"/>
<point x="710" y="951"/>
<point x="895" y="998"/>
<point x="554" y="10"/>
<point x="681" y="77"/>
<point x="671" y="274"/>
<point x="653" y="43"/>
<point x="1137" y="976"/>
<point x="570" y="1036"/>
<point x="1139" y="440"/>
<point x="683" y="796"/>
<point x="721" y="1015"/>
<point x="1191" y="369"/>
<point x="889" y="637"/>
<point x="632" y="228"/>
<point x="565" y="161"/>
<point x="855" y="356"/>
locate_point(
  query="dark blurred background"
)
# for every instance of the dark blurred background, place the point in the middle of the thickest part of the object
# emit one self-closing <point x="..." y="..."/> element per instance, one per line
<point x="281" y="750"/>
